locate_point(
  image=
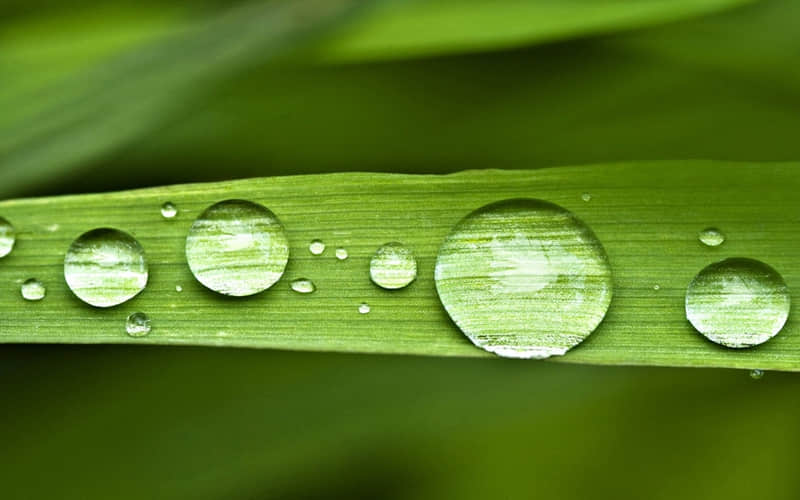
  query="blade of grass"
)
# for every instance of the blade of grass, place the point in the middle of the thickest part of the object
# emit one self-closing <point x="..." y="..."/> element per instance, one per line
<point x="647" y="216"/>
<point x="424" y="28"/>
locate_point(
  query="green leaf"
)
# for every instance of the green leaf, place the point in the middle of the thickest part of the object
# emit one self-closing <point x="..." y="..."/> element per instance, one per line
<point x="424" y="27"/>
<point x="53" y="122"/>
<point x="647" y="216"/>
<point x="588" y="101"/>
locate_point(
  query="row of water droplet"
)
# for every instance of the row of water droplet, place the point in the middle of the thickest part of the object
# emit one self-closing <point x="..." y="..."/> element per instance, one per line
<point x="521" y="278"/>
<point x="235" y="248"/>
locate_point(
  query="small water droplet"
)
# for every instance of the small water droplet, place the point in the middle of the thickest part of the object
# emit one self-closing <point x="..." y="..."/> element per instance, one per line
<point x="711" y="237"/>
<point x="237" y="247"/>
<point x="393" y="266"/>
<point x="341" y="253"/>
<point x="524" y="278"/>
<point x="756" y="374"/>
<point x="169" y="210"/>
<point x="656" y="287"/>
<point x="586" y="197"/>
<point x="738" y="302"/>
<point x="7" y="237"/>
<point x="33" y="289"/>
<point x="303" y="285"/>
<point x="178" y="288"/>
<point x="137" y="324"/>
<point x="316" y="247"/>
<point x="363" y="308"/>
<point x="105" y="267"/>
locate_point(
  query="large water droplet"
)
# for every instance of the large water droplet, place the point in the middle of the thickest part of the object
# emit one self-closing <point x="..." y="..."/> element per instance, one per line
<point x="169" y="210"/>
<point x="524" y="278"/>
<point x="7" y="237"/>
<point x="364" y="308"/>
<point x="711" y="237"/>
<point x="341" y="253"/>
<point x="738" y="302"/>
<point x="33" y="289"/>
<point x="137" y="324"/>
<point x="237" y="247"/>
<point x="105" y="267"/>
<point x="316" y="247"/>
<point x="303" y="285"/>
<point x="393" y="266"/>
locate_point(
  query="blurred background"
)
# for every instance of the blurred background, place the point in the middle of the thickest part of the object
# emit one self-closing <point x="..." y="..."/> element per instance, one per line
<point x="99" y="96"/>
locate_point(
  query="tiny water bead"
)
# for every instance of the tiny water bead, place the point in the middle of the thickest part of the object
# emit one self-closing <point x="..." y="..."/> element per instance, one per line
<point x="7" y="237"/>
<point x="393" y="266"/>
<point x="105" y="267"/>
<point x="169" y="210"/>
<point x="756" y="374"/>
<point x="178" y="288"/>
<point x="364" y="308"/>
<point x="738" y="302"/>
<point x="316" y="247"/>
<point x="237" y="248"/>
<point x="137" y="324"/>
<point x="656" y="287"/>
<point x="524" y="278"/>
<point x="711" y="237"/>
<point x="586" y="197"/>
<point x="303" y="285"/>
<point x="33" y="289"/>
<point x="341" y="253"/>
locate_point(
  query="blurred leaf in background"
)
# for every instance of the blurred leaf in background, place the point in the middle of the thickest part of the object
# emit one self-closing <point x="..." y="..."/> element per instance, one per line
<point x="109" y="95"/>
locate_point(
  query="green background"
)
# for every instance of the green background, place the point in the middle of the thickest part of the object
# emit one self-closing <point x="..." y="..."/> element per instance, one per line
<point x="399" y="88"/>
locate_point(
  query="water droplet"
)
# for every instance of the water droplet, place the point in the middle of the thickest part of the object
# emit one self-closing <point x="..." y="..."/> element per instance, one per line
<point x="524" y="278"/>
<point x="303" y="285"/>
<point x="105" y="267"/>
<point x="656" y="287"/>
<point x="341" y="253"/>
<point x="738" y="302"/>
<point x="33" y="289"/>
<point x="363" y="308"/>
<point x="178" y="288"/>
<point x="393" y="266"/>
<point x="711" y="237"/>
<point x="137" y="325"/>
<point x="316" y="247"/>
<point x="756" y="374"/>
<point x="586" y="197"/>
<point x="169" y="210"/>
<point x="237" y="247"/>
<point x="7" y="237"/>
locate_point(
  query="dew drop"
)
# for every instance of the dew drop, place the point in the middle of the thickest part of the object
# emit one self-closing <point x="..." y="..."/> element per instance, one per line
<point x="341" y="253"/>
<point x="711" y="237"/>
<point x="169" y="210"/>
<point x="137" y="324"/>
<point x="656" y="287"/>
<point x="105" y="267"/>
<point x="756" y="374"/>
<point x="33" y="289"/>
<point x="738" y="302"/>
<point x="364" y="308"/>
<point x="393" y="266"/>
<point x="237" y="247"/>
<point x="7" y="237"/>
<point x="524" y="278"/>
<point x="586" y="197"/>
<point x="303" y="285"/>
<point x="316" y="247"/>
<point x="178" y="288"/>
